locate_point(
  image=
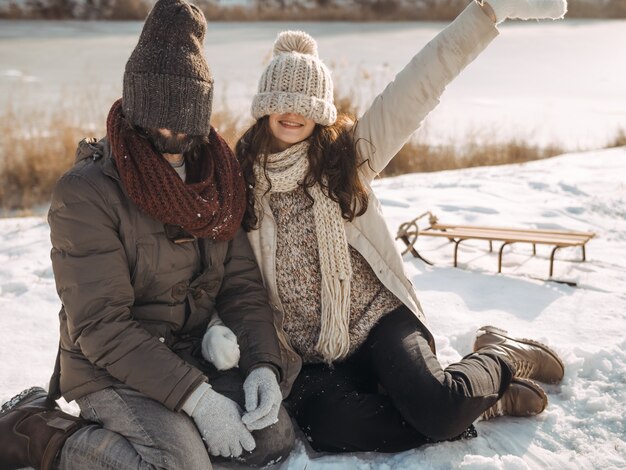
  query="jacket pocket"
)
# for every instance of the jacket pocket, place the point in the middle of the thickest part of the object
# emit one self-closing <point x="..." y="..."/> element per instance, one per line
<point x="142" y="268"/>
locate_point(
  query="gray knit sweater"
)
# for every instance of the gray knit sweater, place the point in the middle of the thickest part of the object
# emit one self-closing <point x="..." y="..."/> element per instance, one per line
<point x="299" y="279"/>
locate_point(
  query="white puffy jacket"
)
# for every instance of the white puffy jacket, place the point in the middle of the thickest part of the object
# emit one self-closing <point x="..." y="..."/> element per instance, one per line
<point x="384" y="128"/>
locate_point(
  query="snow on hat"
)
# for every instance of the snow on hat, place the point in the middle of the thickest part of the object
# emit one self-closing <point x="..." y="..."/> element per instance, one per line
<point x="296" y="81"/>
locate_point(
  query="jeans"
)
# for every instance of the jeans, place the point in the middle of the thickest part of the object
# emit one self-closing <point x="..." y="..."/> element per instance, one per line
<point x="392" y="394"/>
<point x="132" y="431"/>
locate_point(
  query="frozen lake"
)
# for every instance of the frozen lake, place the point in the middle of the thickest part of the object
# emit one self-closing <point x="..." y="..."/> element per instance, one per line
<point x="561" y="82"/>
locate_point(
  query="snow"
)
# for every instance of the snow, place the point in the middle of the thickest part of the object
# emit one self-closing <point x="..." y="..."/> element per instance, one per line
<point x="583" y="426"/>
<point x="544" y="82"/>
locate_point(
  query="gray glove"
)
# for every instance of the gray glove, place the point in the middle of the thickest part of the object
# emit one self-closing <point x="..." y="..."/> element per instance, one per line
<point x="219" y="421"/>
<point x="263" y="398"/>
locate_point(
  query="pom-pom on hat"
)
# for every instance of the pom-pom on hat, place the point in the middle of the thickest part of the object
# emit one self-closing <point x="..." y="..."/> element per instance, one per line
<point x="296" y="81"/>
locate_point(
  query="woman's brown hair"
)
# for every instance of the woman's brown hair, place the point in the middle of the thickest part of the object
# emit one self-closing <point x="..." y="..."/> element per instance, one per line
<point x="333" y="163"/>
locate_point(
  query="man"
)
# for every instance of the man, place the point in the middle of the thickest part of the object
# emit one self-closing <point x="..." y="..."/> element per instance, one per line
<point x="146" y="250"/>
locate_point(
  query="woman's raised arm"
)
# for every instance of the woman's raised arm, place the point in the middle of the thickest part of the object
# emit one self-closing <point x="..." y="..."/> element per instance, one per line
<point x="400" y="109"/>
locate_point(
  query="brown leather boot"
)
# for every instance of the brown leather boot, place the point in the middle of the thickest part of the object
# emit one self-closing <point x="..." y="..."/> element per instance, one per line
<point x="522" y="398"/>
<point x="533" y="360"/>
<point x="33" y="431"/>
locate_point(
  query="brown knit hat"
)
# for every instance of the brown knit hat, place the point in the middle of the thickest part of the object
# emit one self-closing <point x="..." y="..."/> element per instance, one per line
<point x="167" y="82"/>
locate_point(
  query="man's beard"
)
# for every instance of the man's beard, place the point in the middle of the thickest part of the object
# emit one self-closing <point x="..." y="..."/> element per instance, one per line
<point x="175" y="143"/>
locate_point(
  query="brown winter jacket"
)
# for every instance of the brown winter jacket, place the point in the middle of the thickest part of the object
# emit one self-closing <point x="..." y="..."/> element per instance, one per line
<point x="135" y="304"/>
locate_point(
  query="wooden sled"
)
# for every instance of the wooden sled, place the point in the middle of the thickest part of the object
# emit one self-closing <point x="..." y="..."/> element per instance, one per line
<point x="408" y="232"/>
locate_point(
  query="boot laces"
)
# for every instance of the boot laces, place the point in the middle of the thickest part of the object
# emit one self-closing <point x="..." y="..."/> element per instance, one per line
<point x="494" y="411"/>
<point x="524" y="369"/>
<point x="12" y="403"/>
<point x="17" y="399"/>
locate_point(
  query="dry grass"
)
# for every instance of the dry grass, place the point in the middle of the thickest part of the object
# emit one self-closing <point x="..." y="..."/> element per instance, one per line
<point x="383" y="11"/>
<point x="619" y="140"/>
<point x="380" y="10"/>
<point x="37" y="147"/>
<point x="597" y="9"/>
<point x="229" y="124"/>
<point x="286" y="10"/>
<point x="260" y="10"/>
<point x="420" y="157"/>
<point x="78" y="10"/>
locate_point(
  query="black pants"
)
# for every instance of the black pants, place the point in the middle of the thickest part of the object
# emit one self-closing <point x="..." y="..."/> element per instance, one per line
<point x="344" y="409"/>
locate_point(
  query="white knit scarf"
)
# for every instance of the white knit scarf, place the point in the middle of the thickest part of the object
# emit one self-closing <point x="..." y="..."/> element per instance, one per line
<point x="284" y="171"/>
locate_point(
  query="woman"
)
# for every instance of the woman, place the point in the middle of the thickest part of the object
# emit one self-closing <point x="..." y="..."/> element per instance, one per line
<point x="370" y="379"/>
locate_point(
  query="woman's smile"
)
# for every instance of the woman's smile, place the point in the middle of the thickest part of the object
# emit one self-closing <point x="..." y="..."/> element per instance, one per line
<point x="289" y="128"/>
<point x="290" y="124"/>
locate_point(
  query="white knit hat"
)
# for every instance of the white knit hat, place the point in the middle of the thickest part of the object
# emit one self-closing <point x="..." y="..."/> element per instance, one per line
<point x="296" y="81"/>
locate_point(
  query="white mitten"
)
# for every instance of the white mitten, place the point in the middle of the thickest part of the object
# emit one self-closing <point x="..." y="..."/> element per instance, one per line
<point x="219" y="346"/>
<point x="528" y="9"/>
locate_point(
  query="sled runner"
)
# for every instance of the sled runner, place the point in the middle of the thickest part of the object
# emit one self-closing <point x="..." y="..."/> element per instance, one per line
<point x="408" y="232"/>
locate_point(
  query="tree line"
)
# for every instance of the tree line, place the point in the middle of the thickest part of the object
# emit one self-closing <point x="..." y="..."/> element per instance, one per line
<point x="285" y="10"/>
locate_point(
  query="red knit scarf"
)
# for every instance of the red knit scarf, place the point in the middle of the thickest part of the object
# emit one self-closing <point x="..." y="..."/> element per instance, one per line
<point x="212" y="206"/>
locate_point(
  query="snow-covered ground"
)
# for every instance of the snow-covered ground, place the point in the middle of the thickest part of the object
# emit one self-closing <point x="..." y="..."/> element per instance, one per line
<point x="545" y="82"/>
<point x="584" y="425"/>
